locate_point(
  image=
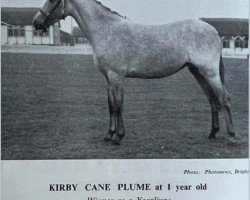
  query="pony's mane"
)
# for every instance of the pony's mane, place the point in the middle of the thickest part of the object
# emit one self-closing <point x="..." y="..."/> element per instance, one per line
<point x="108" y="9"/>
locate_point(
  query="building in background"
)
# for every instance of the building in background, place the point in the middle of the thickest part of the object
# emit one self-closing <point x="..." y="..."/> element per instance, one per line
<point x="234" y="35"/>
<point x="66" y="39"/>
<point x="17" y="28"/>
<point x="79" y="37"/>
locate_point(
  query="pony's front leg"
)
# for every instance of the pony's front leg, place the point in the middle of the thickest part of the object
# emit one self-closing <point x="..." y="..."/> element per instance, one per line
<point x="112" y="115"/>
<point x="115" y="98"/>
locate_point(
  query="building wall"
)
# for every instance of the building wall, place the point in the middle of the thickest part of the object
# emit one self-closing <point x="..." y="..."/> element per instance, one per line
<point x="29" y="34"/>
<point x="235" y="52"/>
<point x="51" y="34"/>
<point x="4" y="38"/>
<point x="16" y="40"/>
<point x="46" y="40"/>
<point x="231" y="44"/>
<point x="29" y="37"/>
<point x="36" y="40"/>
<point x="56" y="35"/>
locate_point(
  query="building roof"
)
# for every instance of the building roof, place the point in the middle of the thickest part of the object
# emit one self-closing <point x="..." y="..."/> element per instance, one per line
<point x="77" y="32"/>
<point x="18" y="16"/>
<point x="229" y="26"/>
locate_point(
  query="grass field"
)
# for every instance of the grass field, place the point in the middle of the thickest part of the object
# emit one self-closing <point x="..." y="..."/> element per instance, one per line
<point x="55" y="107"/>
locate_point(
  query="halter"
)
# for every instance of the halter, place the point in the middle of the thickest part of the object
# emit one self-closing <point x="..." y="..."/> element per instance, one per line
<point x="51" y="10"/>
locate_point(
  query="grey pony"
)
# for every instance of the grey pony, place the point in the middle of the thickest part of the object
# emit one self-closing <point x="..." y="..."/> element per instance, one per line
<point x="122" y="49"/>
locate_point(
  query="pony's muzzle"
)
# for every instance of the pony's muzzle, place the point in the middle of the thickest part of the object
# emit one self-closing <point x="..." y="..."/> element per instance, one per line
<point x="39" y="22"/>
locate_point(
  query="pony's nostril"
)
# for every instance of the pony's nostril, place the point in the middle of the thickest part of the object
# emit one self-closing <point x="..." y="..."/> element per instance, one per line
<point x="42" y="21"/>
<point x="37" y="25"/>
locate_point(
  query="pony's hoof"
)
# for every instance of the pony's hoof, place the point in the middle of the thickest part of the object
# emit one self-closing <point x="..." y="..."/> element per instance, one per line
<point x="213" y="133"/>
<point x="116" y="140"/>
<point x="212" y="136"/>
<point x="107" y="138"/>
<point x="233" y="140"/>
<point x="232" y="134"/>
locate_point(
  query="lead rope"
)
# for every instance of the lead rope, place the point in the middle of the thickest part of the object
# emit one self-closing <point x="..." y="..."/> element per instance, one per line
<point x="13" y="26"/>
<point x="63" y="9"/>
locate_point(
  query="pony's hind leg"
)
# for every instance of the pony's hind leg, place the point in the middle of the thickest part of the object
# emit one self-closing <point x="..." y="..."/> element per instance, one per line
<point x="213" y="79"/>
<point x="112" y="115"/>
<point x="213" y="100"/>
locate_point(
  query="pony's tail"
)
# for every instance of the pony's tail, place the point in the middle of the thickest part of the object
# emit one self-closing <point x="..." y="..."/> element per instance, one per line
<point x="222" y="71"/>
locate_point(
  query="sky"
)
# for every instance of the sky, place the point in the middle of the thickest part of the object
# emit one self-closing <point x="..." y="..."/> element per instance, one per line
<point x="158" y="11"/>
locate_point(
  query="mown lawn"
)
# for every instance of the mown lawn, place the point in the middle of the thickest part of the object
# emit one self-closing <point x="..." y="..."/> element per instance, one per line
<point x="55" y="107"/>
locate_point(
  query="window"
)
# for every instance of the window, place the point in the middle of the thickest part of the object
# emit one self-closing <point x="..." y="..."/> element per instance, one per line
<point x="238" y="43"/>
<point x="246" y="42"/>
<point x="16" y="31"/>
<point x="10" y="32"/>
<point x="35" y="33"/>
<point x="22" y="31"/>
<point x="226" y="43"/>
<point x="81" y="40"/>
<point x="40" y="34"/>
<point x="225" y="40"/>
<point x="241" y="42"/>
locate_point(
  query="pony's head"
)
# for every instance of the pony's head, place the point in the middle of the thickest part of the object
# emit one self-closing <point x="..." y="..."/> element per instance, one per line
<point x="52" y="12"/>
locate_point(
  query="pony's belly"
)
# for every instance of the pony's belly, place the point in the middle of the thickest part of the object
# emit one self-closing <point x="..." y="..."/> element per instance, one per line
<point x="153" y="71"/>
<point x="156" y="64"/>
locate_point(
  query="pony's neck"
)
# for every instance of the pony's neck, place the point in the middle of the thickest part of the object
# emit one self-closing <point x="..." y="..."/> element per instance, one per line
<point x="92" y="17"/>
